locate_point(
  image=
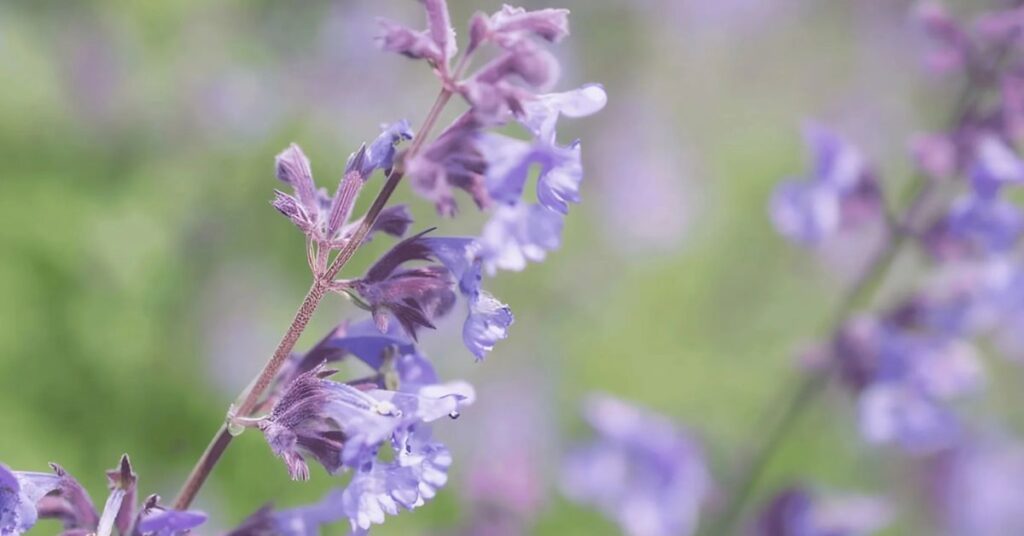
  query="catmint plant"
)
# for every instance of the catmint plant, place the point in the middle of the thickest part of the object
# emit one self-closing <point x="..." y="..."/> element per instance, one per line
<point x="910" y="357"/>
<point x="304" y="411"/>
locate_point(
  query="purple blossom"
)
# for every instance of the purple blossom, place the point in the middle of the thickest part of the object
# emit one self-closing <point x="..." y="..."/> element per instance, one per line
<point x="381" y="153"/>
<point x="517" y="234"/>
<point x="341" y="426"/>
<point x="487" y="323"/>
<point x="951" y="47"/>
<point x="512" y="25"/>
<point x="995" y="165"/>
<point x="641" y="471"/>
<point x="321" y="217"/>
<point x="435" y="44"/>
<point x="796" y="511"/>
<point x="378" y="488"/>
<point x="156" y="520"/>
<point x="976" y="488"/>
<point x="19" y="494"/>
<point x="417" y="295"/>
<point x="975" y="226"/>
<point x="841" y="192"/>
<point x="453" y="160"/>
<point x="905" y="382"/>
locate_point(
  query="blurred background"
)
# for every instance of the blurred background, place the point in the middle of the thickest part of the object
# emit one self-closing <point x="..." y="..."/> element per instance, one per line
<point x="145" y="278"/>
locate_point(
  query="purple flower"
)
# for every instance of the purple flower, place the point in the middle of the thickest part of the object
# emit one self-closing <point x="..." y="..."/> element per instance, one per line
<point x="453" y="160"/>
<point x="342" y="426"/>
<point x="488" y="319"/>
<point x="519" y="233"/>
<point x="413" y="295"/>
<point x="951" y="48"/>
<point x="156" y="520"/>
<point x="435" y="44"/>
<point x="797" y="512"/>
<point x="975" y="226"/>
<point x="995" y="165"/>
<point x="321" y="217"/>
<point x="540" y="114"/>
<point x="72" y="505"/>
<point x="841" y="192"/>
<point x="19" y="494"/>
<point x="378" y="488"/>
<point x="381" y="153"/>
<point x="511" y="25"/>
<point x="487" y="323"/>
<point x="641" y="471"/>
<point x="905" y="381"/>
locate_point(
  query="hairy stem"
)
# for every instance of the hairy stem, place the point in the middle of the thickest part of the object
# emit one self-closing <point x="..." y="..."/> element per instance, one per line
<point x="208" y="460"/>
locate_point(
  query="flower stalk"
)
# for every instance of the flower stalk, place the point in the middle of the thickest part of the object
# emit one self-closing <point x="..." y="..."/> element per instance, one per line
<point x="321" y="283"/>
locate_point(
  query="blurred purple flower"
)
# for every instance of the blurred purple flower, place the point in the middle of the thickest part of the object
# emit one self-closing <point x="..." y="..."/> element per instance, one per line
<point x="905" y="381"/>
<point x="508" y="447"/>
<point x="975" y="226"/>
<point x="435" y="44"/>
<point x="796" y="511"/>
<point x="641" y="471"/>
<point x="995" y="166"/>
<point x="511" y="25"/>
<point x="951" y="48"/>
<point x="976" y="488"/>
<point x="841" y="192"/>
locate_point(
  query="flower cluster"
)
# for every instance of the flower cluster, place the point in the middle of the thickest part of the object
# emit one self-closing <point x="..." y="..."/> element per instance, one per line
<point x="912" y="362"/>
<point x="641" y="471"/>
<point x="305" y="414"/>
<point x="26" y="497"/>
<point x="344" y="426"/>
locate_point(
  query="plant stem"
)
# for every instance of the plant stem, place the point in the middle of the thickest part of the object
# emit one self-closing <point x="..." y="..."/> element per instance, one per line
<point x="222" y="439"/>
<point x="208" y="460"/>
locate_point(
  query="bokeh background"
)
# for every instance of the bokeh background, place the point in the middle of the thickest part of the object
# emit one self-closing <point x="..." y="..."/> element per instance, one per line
<point x="144" y="277"/>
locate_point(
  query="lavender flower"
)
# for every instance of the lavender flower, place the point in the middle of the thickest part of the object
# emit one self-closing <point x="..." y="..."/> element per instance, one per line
<point x="341" y="426"/>
<point x="26" y="497"/>
<point x="19" y="494"/>
<point x="512" y="25"/>
<point x="435" y="44"/>
<point x="796" y="511"/>
<point x="905" y="381"/>
<point x="413" y="295"/>
<point x="642" y="471"/>
<point x="841" y="192"/>
<point x="378" y="488"/>
<point x="323" y="218"/>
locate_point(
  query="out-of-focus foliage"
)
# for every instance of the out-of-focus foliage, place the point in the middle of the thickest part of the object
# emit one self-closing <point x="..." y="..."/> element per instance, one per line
<point x="144" y="276"/>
